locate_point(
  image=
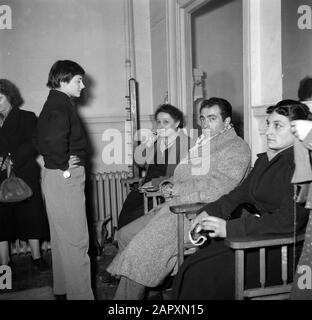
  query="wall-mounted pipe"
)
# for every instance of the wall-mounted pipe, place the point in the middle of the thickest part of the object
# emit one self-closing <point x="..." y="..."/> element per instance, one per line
<point x="130" y="64"/>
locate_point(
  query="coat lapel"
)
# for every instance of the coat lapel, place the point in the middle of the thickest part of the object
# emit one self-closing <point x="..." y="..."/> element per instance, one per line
<point x="266" y="165"/>
<point x="11" y="122"/>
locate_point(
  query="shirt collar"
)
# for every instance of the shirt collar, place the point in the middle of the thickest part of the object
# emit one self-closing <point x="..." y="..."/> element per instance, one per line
<point x="202" y="140"/>
<point x="271" y="153"/>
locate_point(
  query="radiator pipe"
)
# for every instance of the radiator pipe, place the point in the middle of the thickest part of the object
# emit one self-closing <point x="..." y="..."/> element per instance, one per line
<point x="130" y="63"/>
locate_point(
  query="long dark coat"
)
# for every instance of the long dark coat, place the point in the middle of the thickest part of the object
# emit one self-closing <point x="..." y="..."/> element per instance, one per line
<point x="27" y="219"/>
<point x="209" y="273"/>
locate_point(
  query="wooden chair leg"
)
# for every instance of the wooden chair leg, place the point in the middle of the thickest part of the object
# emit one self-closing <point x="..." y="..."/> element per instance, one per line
<point x="239" y="274"/>
<point x="180" y="239"/>
<point x="145" y="204"/>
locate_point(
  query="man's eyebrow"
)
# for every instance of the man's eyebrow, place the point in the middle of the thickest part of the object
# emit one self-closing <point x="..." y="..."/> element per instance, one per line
<point x="274" y="121"/>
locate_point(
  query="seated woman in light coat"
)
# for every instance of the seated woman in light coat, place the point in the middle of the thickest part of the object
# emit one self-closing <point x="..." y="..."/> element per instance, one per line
<point x="210" y="272"/>
<point x="214" y="166"/>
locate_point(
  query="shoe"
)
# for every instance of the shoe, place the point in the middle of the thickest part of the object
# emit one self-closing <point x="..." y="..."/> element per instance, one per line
<point x="40" y="265"/>
<point x="106" y="277"/>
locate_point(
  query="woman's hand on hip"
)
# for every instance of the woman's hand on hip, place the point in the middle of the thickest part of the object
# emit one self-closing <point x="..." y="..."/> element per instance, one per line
<point x="73" y="161"/>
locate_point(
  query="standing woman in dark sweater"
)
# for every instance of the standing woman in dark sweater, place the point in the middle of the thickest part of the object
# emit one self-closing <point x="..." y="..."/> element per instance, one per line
<point x="24" y="220"/>
<point x="61" y="141"/>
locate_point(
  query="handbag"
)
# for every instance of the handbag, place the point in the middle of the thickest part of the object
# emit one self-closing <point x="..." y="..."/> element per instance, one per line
<point x="13" y="189"/>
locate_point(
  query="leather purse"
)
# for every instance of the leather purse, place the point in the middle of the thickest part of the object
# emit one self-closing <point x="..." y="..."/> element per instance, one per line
<point x="13" y="189"/>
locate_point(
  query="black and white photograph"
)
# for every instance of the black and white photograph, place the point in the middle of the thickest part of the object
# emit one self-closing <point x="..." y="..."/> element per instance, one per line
<point x="155" y="154"/>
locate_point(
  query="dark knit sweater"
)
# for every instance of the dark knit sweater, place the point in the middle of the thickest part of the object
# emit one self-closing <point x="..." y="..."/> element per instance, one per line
<point x="59" y="132"/>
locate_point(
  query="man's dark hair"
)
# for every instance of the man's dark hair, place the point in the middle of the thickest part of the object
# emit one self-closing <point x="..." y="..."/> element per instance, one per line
<point x="174" y="112"/>
<point x="292" y="109"/>
<point x="224" y="105"/>
<point x="9" y="89"/>
<point x="63" y="71"/>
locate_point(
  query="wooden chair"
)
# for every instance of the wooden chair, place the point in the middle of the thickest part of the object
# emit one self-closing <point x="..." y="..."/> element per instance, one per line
<point x="190" y="210"/>
<point x="156" y="196"/>
<point x="242" y="245"/>
<point x="130" y="183"/>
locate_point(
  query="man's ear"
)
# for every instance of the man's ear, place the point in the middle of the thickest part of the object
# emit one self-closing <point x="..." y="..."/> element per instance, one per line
<point x="227" y="121"/>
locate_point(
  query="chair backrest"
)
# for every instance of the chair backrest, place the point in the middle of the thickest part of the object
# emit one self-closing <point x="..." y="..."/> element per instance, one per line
<point x="264" y="292"/>
<point x="156" y="196"/>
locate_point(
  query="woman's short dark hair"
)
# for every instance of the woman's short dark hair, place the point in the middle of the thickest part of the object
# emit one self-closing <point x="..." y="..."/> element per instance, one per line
<point x="63" y="71"/>
<point x="174" y="112"/>
<point x="224" y="105"/>
<point x="11" y="92"/>
<point x="305" y="89"/>
<point x="292" y="109"/>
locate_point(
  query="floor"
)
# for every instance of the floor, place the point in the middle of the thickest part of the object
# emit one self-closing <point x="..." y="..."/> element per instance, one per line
<point x="29" y="284"/>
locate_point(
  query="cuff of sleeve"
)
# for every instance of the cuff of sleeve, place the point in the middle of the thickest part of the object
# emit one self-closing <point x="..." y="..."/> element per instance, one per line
<point x="307" y="142"/>
<point x="212" y="209"/>
<point x="235" y="228"/>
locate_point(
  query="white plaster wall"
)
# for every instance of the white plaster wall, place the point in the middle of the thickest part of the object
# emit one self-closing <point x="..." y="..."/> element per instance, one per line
<point x="265" y="66"/>
<point x="158" y="50"/>
<point x="143" y="55"/>
<point x="89" y="32"/>
<point x="271" y="51"/>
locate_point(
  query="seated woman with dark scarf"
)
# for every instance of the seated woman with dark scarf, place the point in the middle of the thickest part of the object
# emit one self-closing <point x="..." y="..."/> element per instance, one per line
<point x="163" y="152"/>
<point x="209" y="273"/>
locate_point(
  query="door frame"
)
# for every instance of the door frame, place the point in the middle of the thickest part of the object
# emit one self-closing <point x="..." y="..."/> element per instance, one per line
<point x="179" y="58"/>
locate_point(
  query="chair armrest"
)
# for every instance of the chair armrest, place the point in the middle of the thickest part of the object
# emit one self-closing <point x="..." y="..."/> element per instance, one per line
<point x="188" y="208"/>
<point x="150" y="194"/>
<point x="132" y="180"/>
<point x="262" y="241"/>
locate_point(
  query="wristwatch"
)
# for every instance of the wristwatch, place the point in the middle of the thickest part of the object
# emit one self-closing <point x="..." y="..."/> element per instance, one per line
<point x="66" y="174"/>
